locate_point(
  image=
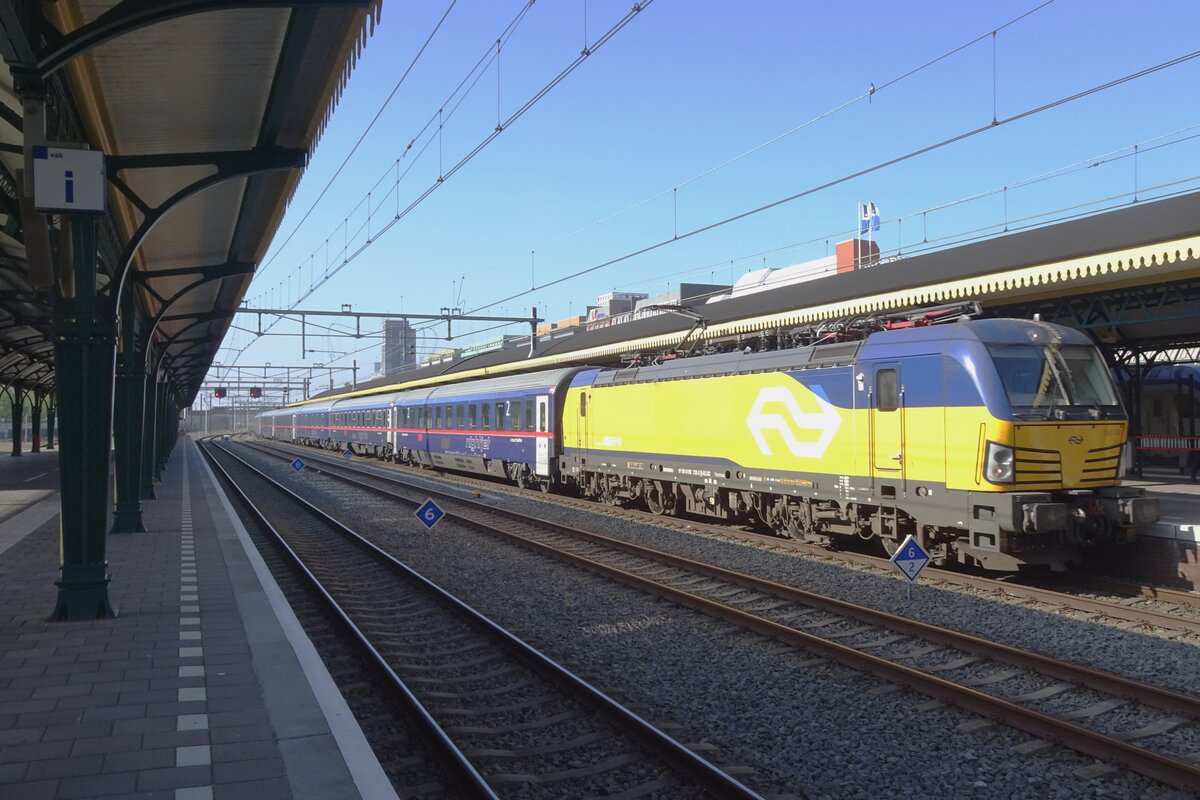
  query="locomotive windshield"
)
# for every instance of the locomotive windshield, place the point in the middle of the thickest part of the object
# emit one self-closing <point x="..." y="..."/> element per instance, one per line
<point x="1055" y="381"/>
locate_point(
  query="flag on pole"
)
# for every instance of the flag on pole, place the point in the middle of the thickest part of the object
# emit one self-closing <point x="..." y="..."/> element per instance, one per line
<point x="873" y="213"/>
<point x="864" y="219"/>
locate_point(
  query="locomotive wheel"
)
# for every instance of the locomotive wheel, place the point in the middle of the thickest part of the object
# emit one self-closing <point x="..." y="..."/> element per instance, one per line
<point x="659" y="502"/>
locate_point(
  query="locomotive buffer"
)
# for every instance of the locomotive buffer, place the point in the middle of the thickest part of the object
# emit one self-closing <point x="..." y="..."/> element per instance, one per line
<point x="910" y="559"/>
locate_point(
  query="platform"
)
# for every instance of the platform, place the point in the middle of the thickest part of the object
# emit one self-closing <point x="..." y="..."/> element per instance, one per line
<point x="204" y="686"/>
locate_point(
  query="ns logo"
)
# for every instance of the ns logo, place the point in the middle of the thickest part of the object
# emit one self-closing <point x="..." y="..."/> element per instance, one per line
<point x="775" y="409"/>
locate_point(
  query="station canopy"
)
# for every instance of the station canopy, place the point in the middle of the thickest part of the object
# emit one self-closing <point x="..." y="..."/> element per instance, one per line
<point x="207" y="113"/>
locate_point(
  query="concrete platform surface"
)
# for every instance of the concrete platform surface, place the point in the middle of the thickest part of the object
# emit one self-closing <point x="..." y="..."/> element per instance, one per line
<point x="204" y="686"/>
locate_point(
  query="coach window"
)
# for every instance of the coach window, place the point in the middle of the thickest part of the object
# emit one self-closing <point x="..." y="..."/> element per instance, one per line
<point x="485" y="417"/>
<point x="500" y="420"/>
<point x="472" y="417"/>
<point x="887" y="390"/>
<point x="514" y="414"/>
<point x="542" y="417"/>
<point x="437" y="418"/>
<point x="460" y="417"/>
<point x="529" y="404"/>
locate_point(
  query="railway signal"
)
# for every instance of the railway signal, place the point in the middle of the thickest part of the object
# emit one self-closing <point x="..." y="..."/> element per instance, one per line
<point x="220" y="392"/>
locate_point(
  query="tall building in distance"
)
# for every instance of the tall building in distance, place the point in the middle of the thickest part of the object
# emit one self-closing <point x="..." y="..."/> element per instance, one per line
<point x="399" y="346"/>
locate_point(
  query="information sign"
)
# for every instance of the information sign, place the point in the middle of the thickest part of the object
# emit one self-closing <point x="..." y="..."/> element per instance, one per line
<point x="429" y="513"/>
<point x="297" y="465"/>
<point x="910" y="559"/>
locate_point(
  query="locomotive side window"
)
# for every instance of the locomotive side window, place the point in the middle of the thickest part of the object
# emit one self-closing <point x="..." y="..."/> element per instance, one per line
<point x="887" y="390"/>
<point x="583" y="404"/>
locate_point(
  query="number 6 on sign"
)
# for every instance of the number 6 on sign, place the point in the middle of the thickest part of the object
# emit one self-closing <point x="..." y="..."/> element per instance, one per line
<point x="429" y="514"/>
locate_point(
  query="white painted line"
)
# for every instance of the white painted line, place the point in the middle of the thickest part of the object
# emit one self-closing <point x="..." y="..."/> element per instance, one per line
<point x="35" y="477"/>
<point x="191" y="652"/>
<point x="194" y="756"/>
<point x="191" y="722"/>
<point x="185" y="636"/>
<point x="192" y="695"/>
<point x="18" y="526"/>
<point x="191" y="672"/>
<point x="194" y="793"/>
<point x="189" y="609"/>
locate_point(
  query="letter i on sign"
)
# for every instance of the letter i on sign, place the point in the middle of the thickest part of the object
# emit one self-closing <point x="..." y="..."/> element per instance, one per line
<point x="70" y="189"/>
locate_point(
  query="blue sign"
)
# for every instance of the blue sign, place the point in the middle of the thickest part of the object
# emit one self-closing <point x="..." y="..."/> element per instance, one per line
<point x="347" y="454"/>
<point x="429" y="514"/>
<point x="297" y="465"/>
<point x="911" y="559"/>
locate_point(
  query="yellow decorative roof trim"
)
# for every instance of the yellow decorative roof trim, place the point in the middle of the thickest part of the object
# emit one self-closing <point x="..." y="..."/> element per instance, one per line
<point x="1085" y="269"/>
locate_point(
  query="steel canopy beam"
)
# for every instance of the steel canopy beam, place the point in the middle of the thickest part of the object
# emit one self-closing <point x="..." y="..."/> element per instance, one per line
<point x="129" y="15"/>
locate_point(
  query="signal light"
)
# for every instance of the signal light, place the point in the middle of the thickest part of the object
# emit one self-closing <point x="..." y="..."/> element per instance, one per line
<point x="219" y="392"/>
<point x="256" y="391"/>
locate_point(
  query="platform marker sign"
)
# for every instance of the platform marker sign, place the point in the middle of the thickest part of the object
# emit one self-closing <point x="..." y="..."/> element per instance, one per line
<point x="297" y="465"/>
<point x="429" y="513"/>
<point x="347" y="454"/>
<point x="910" y="559"/>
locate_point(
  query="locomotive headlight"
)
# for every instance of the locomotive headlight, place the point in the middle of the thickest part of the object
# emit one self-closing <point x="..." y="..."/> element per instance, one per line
<point x="998" y="463"/>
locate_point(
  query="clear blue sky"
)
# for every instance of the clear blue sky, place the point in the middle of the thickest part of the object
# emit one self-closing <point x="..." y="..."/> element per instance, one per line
<point x="685" y="87"/>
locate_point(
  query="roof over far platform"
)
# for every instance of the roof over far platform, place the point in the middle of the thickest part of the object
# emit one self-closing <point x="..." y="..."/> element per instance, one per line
<point x="207" y="113"/>
<point x="1095" y="273"/>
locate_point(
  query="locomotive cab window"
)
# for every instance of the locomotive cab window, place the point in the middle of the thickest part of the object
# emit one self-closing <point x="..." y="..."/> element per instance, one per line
<point x="583" y="404"/>
<point x="887" y="390"/>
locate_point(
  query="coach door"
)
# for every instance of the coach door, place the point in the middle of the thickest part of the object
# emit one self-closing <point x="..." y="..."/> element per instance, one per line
<point x="887" y="422"/>
<point x="543" y="439"/>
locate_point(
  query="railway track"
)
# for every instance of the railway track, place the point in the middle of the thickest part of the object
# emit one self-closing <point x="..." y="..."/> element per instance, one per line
<point x="502" y="718"/>
<point x="1154" y="607"/>
<point x="1052" y="699"/>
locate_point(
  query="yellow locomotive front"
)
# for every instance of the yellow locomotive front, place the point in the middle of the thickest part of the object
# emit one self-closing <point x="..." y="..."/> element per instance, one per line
<point x="1058" y="427"/>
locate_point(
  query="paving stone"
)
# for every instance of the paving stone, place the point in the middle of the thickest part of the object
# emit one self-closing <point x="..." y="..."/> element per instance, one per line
<point x="64" y="767"/>
<point x="34" y="751"/>
<point x="31" y="790"/>
<point x="89" y="730"/>
<point x="90" y="786"/>
<point x="176" y="738"/>
<point x="276" y="789"/>
<point x="107" y="744"/>
<point x="173" y="778"/>
<point x="248" y="770"/>
<point x="142" y="760"/>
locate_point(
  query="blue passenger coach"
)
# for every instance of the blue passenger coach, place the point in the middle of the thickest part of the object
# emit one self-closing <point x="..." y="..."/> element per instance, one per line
<point x="498" y="426"/>
<point x="363" y="424"/>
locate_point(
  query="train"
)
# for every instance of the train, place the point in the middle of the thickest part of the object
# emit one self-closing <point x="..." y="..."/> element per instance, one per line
<point x="995" y="443"/>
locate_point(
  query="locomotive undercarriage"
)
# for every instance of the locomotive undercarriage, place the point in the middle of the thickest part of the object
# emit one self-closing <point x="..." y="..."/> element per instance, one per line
<point x="829" y="521"/>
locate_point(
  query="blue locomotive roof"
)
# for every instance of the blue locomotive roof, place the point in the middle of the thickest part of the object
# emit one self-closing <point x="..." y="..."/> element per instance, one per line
<point x="934" y="338"/>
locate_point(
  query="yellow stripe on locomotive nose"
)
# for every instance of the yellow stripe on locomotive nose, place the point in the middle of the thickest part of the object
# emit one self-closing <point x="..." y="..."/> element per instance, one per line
<point x="1068" y="454"/>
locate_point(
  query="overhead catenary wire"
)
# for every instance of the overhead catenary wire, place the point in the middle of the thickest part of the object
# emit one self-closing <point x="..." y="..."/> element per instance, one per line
<point x="520" y="112"/>
<point x="852" y="175"/>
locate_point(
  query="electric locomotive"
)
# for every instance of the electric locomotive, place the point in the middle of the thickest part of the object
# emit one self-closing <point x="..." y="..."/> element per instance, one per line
<point x="993" y="442"/>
